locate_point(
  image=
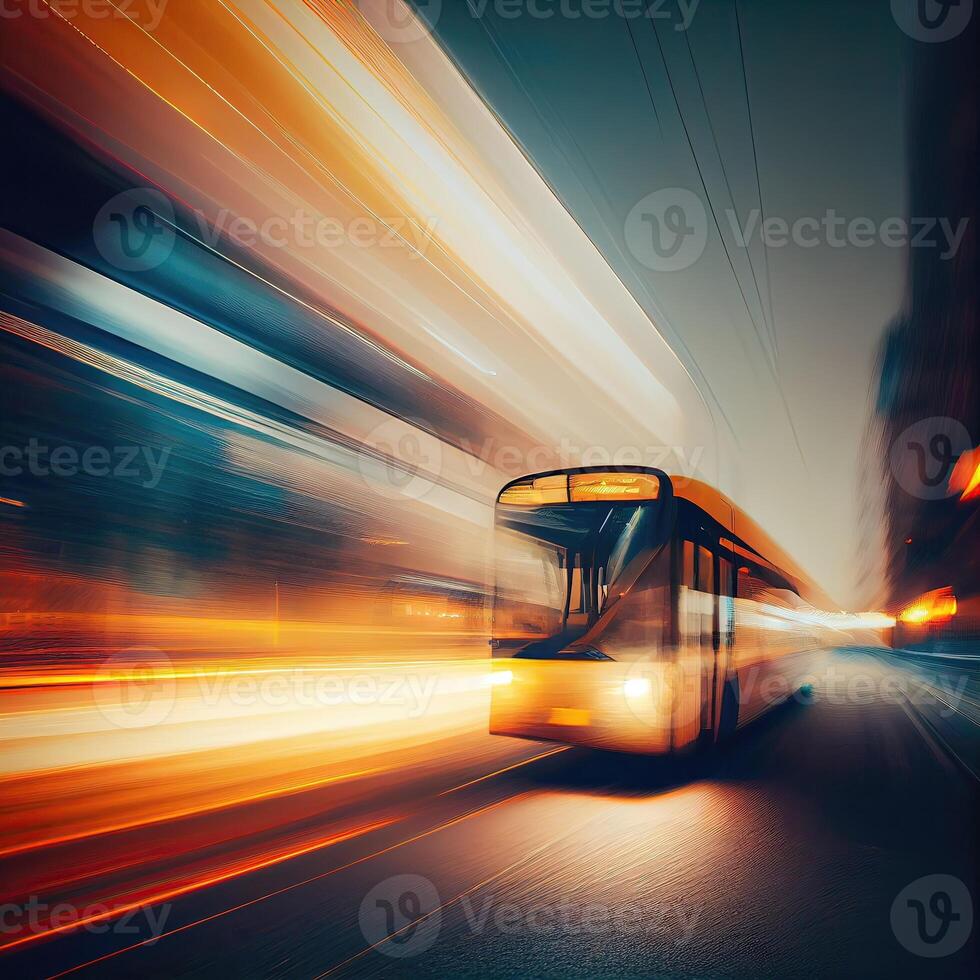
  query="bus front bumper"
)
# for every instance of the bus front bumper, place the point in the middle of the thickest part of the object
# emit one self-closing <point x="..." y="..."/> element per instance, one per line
<point x="611" y="705"/>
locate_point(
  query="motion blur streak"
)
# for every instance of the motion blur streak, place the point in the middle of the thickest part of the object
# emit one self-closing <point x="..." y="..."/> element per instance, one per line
<point x="153" y="898"/>
<point x="321" y="119"/>
<point x="299" y="884"/>
<point x="178" y="814"/>
<point x="225" y="659"/>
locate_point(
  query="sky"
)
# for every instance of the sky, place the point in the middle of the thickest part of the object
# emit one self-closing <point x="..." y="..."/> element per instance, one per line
<point x="780" y="339"/>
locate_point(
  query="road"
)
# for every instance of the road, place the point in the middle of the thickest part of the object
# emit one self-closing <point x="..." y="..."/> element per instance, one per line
<point x="781" y="854"/>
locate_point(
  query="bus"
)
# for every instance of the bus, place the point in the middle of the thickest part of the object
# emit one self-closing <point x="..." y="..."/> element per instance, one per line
<point x="638" y="612"/>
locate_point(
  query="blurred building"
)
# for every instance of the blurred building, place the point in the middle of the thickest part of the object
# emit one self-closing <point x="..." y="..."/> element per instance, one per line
<point x="926" y="414"/>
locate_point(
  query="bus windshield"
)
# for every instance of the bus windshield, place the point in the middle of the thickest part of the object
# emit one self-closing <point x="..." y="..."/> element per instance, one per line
<point x="560" y="568"/>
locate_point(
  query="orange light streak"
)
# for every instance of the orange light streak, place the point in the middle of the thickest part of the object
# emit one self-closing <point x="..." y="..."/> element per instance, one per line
<point x="965" y="477"/>
<point x="935" y="606"/>
<point x="225" y="804"/>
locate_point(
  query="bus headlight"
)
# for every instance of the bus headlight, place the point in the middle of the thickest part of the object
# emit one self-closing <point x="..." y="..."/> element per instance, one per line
<point x="637" y="687"/>
<point x="501" y="677"/>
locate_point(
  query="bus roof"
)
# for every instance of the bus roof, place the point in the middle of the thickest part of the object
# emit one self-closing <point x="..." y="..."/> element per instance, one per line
<point x="747" y="531"/>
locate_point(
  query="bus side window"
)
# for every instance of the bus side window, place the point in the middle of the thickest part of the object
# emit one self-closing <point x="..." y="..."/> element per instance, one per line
<point x="575" y="603"/>
<point x="724" y="577"/>
<point x="687" y="571"/>
<point x="705" y="571"/>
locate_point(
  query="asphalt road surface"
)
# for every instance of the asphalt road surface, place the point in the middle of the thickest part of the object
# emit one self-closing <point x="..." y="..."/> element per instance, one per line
<point x="809" y="846"/>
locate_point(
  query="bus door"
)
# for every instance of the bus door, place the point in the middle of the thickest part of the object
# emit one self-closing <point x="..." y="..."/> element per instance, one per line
<point x="706" y="619"/>
<point x="703" y="632"/>
<point x="714" y="625"/>
<point x="695" y="619"/>
<point x="724" y="632"/>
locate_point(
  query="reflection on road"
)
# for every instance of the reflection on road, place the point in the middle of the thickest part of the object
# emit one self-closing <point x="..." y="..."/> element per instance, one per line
<point x="798" y="806"/>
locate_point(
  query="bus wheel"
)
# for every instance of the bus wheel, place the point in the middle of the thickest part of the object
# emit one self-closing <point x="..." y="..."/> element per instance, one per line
<point x="729" y="709"/>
